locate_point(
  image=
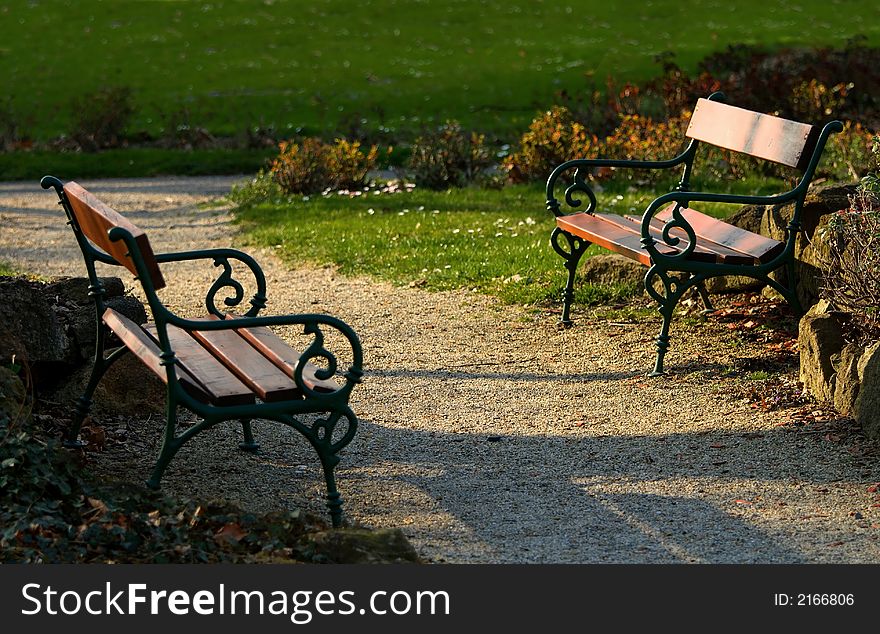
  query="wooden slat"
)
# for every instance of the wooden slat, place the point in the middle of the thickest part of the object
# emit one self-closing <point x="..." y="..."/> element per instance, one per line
<point x="223" y="386"/>
<point x="144" y="348"/>
<point x="760" y="135"/>
<point x="595" y="229"/>
<point x="283" y="356"/>
<point x="724" y="254"/>
<point x="96" y="219"/>
<point x="754" y="245"/>
<point x="243" y="360"/>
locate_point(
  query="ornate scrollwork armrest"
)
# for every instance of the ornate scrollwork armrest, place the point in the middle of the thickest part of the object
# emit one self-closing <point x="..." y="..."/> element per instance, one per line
<point x="226" y="279"/>
<point x="676" y="221"/>
<point x="316" y="354"/>
<point x="583" y="167"/>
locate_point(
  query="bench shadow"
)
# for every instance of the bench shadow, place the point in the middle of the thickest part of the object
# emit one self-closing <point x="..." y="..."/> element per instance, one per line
<point x="470" y="375"/>
<point x="643" y="499"/>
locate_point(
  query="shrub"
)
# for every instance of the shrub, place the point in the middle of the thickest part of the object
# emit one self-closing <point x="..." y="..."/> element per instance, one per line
<point x="848" y="155"/>
<point x="449" y="157"/>
<point x="262" y="188"/>
<point x="641" y="138"/>
<point x="11" y="135"/>
<point x="179" y="131"/>
<point x="552" y="138"/>
<point x="311" y="166"/>
<point x="100" y="118"/>
<point x="851" y="272"/>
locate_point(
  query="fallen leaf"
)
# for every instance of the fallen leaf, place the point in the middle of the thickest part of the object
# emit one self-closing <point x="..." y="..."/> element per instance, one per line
<point x="231" y="532"/>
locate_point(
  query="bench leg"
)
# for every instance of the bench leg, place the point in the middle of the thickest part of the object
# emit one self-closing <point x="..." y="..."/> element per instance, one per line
<point x="704" y="295"/>
<point x="572" y="255"/>
<point x="249" y="443"/>
<point x="673" y="289"/>
<point x="662" y="341"/>
<point x="83" y="404"/>
<point x="334" y="499"/>
<point x="793" y="300"/>
<point x="170" y="444"/>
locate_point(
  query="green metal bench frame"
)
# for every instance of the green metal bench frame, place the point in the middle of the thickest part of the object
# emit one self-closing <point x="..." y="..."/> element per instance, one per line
<point x="668" y="248"/>
<point x="120" y="246"/>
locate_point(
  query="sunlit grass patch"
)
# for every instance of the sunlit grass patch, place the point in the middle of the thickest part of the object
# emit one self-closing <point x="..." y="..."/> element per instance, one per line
<point x="491" y="241"/>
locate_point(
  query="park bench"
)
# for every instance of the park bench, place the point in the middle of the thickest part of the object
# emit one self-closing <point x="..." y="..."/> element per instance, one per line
<point x="221" y="367"/>
<point x="681" y="246"/>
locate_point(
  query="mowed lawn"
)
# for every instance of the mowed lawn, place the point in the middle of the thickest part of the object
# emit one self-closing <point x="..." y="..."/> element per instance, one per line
<point x="323" y="66"/>
<point x="491" y="241"/>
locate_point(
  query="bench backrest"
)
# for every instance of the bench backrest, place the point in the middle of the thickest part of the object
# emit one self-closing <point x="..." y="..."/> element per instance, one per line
<point x="96" y="219"/>
<point x="760" y="135"/>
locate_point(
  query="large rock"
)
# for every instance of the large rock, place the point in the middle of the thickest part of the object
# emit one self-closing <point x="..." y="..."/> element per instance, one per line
<point x="360" y="546"/>
<point x="867" y="406"/>
<point x="834" y="371"/>
<point x="612" y="269"/>
<point x="12" y="398"/>
<point x="128" y="388"/>
<point x="30" y="329"/>
<point x="82" y="322"/>
<point x="820" y="340"/>
<point x="846" y="379"/>
<point x="76" y="289"/>
<point x="811" y="246"/>
<point x="52" y="326"/>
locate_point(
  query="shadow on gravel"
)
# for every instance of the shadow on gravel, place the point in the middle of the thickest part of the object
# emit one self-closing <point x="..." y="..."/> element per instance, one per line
<point x="647" y="499"/>
<point x="508" y="376"/>
<point x="691" y="497"/>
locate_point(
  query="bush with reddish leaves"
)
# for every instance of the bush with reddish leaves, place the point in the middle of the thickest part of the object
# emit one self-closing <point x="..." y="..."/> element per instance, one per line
<point x="312" y="166"/>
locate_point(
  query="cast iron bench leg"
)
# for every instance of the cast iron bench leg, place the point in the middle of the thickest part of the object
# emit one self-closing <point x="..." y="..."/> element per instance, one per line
<point x="83" y="403"/>
<point x="249" y="443"/>
<point x="576" y="248"/>
<point x="707" y="302"/>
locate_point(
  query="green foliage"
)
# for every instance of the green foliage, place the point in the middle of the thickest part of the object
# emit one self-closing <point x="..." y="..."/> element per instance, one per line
<point x="6" y="269"/>
<point x="851" y="271"/>
<point x="488" y="64"/>
<point x="449" y="157"/>
<point x="311" y="166"/>
<point x="848" y="156"/>
<point x="52" y="512"/>
<point x="552" y="138"/>
<point x="100" y="118"/>
<point x="130" y="162"/>
<point x="262" y="188"/>
<point x="648" y="121"/>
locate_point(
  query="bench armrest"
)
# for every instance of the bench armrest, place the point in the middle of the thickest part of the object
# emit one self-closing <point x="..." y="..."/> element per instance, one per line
<point x="582" y="167"/>
<point x="683" y="199"/>
<point x="221" y="257"/>
<point x="313" y="324"/>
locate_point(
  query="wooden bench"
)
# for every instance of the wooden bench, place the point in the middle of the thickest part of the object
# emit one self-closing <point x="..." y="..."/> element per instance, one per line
<point x="222" y="366"/>
<point x="681" y="246"/>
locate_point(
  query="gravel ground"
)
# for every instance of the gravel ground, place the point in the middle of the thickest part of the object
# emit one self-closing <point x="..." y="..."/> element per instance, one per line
<point x="490" y="435"/>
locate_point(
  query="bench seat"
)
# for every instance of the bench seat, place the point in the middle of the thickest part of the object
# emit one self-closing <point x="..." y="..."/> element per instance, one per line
<point x="222" y="367"/>
<point x="717" y="241"/>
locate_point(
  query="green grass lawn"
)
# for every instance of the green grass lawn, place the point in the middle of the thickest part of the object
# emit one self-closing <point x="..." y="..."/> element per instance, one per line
<point x="6" y="269"/>
<point x="130" y="163"/>
<point x="491" y="241"/>
<point x="396" y="64"/>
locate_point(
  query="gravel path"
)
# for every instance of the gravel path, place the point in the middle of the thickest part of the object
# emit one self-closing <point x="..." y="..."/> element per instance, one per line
<point x="488" y="434"/>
